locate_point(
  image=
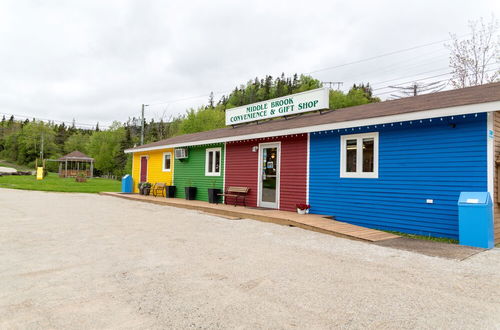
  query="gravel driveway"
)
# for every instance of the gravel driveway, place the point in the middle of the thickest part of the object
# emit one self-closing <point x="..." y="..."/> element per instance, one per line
<point x="89" y="261"/>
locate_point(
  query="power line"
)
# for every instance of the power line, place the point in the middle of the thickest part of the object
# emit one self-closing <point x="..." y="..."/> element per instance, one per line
<point x="383" y="55"/>
<point x="418" y="74"/>
<point x="418" y="88"/>
<point x="187" y="98"/>
<point x="413" y="75"/>
<point x="392" y="91"/>
<point x="425" y="78"/>
<point x="347" y="64"/>
<point x="319" y="70"/>
<point x="69" y="123"/>
<point x="407" y="66"/>
<point x="409" y="82"/>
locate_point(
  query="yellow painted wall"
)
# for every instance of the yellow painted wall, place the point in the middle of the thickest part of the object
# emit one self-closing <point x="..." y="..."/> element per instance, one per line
<point x="155" y="170"/>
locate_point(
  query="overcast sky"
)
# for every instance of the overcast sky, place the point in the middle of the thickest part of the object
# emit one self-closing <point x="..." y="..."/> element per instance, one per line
<point x="98" y="61"/>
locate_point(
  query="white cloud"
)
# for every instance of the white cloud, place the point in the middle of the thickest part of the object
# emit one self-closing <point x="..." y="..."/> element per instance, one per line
<point x="99" y="60"/>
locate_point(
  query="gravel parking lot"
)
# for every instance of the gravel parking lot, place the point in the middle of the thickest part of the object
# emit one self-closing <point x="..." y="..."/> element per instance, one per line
<point x="89" y="261"/>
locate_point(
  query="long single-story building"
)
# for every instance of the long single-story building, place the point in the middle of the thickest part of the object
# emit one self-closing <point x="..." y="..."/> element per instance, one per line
<point x="394" y="165"/>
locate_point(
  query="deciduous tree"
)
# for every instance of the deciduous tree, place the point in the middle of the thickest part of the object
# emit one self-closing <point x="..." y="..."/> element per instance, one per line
<point x="476" y="60"/>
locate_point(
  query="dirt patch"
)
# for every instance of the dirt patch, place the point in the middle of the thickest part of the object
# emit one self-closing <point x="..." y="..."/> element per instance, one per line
<point x="431" y="248"/>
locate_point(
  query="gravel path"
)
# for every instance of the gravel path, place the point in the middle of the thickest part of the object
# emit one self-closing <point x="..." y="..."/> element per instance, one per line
<point x="89" y="261"/>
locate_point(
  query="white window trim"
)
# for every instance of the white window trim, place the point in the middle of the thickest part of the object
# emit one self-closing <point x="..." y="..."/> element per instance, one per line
<point x="359" y="156"/>
<point x="163" y="162"/>
<point x="207" y="151"/>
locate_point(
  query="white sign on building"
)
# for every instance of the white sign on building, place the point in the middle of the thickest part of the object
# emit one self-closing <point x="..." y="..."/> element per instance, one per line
<point x="316" y="99"/>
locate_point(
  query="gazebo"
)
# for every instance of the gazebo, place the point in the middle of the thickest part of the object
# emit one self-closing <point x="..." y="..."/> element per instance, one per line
<point x="75" y="162"/>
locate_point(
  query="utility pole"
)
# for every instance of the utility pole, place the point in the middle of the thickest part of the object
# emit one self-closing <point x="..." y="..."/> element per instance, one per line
<point x="142" y="123"/>
<point x="41" y="149"/>
<point x="418" y="89"/>
<point x="331" y="83"/>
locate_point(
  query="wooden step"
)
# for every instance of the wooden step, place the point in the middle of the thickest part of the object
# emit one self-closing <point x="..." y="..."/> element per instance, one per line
<point x="314" y="222"/>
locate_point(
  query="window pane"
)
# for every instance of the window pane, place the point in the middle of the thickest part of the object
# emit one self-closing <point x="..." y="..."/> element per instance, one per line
<point x="368" y="150"/>
<point x="351" y="149"/>
<point x="217" y="161"/>
<point x="167" y="162"/>
<point x="210" y="161"/>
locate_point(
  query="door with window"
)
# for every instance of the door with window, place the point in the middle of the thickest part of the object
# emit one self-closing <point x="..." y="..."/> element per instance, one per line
<point x="269" y="175"/>
<point x="144" y="168"/>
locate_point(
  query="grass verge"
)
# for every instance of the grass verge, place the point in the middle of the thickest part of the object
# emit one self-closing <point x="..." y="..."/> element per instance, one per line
<point x="427" y="238"/>
<point x="53" y="182"/>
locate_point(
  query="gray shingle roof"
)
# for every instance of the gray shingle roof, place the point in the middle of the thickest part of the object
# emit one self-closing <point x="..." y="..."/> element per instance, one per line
<point x="452" y="98"/>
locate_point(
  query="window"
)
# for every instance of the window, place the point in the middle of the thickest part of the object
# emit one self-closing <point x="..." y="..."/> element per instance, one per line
<point x="212" y="162"/>
<point x="167" y="161"/>
<point x="359" y="155"/>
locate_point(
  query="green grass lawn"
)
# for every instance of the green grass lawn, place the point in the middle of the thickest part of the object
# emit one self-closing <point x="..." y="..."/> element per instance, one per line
<point x="53" y="182"/>
<point x="428" y="238"/>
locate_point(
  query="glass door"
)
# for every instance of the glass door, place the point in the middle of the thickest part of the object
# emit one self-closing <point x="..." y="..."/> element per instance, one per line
<point x="269" y="164"/>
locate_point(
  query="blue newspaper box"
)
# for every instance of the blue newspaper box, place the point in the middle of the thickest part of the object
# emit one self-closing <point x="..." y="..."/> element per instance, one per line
<point x="475" y="219"/>
<point x="127" y="184"/>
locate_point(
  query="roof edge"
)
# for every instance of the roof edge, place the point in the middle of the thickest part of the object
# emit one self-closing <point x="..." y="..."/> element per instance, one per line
<point x="416" y="115"/>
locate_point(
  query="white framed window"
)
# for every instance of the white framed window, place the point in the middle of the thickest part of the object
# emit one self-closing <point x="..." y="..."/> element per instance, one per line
<point x="167" y="162"/>
<point x="359" y="155"/>
<point x="212" y="161"/>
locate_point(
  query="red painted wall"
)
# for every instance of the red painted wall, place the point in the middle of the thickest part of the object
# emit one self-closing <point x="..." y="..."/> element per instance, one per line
<point x="242" y="169"/>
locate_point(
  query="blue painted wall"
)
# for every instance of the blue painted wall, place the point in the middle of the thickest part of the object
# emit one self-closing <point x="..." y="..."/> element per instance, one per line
<point x="417" y="161"/>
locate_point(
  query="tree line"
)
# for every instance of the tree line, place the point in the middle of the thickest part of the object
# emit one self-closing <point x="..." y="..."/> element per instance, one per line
<point x="21" y="141"/>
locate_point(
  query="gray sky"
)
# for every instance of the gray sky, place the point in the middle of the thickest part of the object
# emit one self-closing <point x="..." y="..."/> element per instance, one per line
<point x="98" y="61"/>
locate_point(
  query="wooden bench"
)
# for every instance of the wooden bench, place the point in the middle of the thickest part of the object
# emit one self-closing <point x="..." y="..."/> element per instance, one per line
<point x="237" y="193"/>
<point x="159" y="187"/>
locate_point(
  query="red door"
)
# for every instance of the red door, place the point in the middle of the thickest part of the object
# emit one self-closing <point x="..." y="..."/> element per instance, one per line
<point x="144" y="169"/>
<point x="242" y="170"/>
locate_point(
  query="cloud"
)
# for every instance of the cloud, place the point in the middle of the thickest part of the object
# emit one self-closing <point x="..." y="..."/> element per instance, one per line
<point x="100" y="60"/>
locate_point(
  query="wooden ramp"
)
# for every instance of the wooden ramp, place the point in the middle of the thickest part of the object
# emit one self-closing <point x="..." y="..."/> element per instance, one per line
<point x="313" y="222"/>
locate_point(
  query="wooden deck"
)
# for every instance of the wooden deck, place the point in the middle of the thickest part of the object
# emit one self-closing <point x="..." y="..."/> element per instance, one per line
<point x="314" y="222"/>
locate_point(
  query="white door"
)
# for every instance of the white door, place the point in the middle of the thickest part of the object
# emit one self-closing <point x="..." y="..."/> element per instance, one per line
<point x="269" y="174"/>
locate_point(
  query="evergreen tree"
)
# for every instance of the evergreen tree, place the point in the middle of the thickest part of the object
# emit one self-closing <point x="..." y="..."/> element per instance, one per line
<point x="267" y="87"/>
<point x="61" y="136"/>
<point x="72" y="129"/>
<point x="152" y="132"/>
<point x="211" y="100"/>
<point x="122" y="157"/>
<point x="20" y="141"/>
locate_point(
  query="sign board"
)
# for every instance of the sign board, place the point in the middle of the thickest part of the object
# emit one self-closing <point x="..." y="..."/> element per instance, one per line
<point x="316" y="99"/>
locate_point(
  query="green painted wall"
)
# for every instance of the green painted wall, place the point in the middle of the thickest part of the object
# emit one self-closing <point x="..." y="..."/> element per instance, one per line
<point x="193" y="169"/>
